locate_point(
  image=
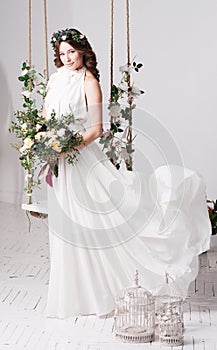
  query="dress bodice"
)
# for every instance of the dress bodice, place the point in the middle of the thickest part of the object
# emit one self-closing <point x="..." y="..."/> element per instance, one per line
<point x="66" y="95"/>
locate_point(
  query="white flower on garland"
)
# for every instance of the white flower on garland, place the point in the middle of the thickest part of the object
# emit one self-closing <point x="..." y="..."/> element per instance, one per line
<point x="127" y="92"/>
<point x="123" y="154"/>
<point x="126" y="68"/>
<point x="24" y="72"/>
<point x="28" y="176"/>
<point x="41" y="92"/>
<point x="123" y="86"/>
<point x="135" y="91"/>
<point x="106" y="134"/>
<point x="115" y="110"/>
<point x="27" y="94"/>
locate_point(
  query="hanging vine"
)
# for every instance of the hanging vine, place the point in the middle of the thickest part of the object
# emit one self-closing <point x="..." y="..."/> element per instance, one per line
<point x="28" y="121"/>
<point x="118" y="140"/>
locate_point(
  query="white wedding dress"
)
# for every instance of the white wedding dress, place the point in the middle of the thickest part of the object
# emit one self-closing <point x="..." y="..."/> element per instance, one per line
<point x="104" y="223"/>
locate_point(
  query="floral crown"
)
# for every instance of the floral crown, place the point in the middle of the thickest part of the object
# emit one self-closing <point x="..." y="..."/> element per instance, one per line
<point x="65" y="35"/>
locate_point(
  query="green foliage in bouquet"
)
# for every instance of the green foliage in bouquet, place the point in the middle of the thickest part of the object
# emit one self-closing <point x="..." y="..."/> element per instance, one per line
<point x="212" y="210"/>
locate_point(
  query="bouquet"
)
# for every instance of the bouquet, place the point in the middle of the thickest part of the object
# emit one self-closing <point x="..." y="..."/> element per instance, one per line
<point x="54" y="137"/>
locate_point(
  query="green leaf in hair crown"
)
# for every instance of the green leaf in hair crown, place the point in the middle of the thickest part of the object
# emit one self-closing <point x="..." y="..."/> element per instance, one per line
<point x="65" y="35"/>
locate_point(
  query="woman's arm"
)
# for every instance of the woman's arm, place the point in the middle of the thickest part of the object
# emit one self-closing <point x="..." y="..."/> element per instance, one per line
<point x="94" y="103"/>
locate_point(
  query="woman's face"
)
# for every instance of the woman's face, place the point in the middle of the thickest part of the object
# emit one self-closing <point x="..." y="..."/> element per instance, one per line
<point x="70" y="58"/>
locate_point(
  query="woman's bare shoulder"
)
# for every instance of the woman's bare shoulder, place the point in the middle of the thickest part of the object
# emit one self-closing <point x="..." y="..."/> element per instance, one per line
<point x="90" y="79"/>
<point x="92" y="86"/>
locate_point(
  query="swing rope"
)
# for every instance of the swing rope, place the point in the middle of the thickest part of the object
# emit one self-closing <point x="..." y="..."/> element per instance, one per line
<point x="33" y="213"/>
<point x="112" y="39"/>
<point x="128" y="30"/>
<point x="46" y="40"/>
<point x="30" y="32"/>
<point x="112" y="47"/>
<point x="129" y="131"/>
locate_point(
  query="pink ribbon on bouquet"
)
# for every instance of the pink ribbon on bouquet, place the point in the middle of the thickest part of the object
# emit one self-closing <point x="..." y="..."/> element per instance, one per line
<point x="46" y="171"/>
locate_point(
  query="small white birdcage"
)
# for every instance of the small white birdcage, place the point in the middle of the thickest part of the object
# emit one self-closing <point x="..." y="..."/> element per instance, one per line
<point x="135" y="315"/>
<point x="169" y="316"/>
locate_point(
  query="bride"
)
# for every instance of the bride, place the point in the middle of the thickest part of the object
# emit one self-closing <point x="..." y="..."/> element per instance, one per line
<point x="104" y="223"/>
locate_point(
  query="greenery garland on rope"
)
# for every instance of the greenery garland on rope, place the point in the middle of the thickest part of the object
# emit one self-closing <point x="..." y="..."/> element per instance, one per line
<point x="118" y="148"/>
<point x="118" y="140"/>
<point x="28" y="122"/>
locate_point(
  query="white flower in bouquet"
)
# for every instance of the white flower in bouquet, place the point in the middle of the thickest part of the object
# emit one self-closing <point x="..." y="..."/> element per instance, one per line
<point x="56" y="146"/>
<point x="38" y="127"/>
<point x="28" y="142"/>
<point x="49" y="134"/>
<point x="24" y="126"/>
<point x="61" y="132"/>
<point x="71" y="128"/>
<point x="51" y="138"/>
<point x="22" y="150"/>
<point x="40" y="135"/>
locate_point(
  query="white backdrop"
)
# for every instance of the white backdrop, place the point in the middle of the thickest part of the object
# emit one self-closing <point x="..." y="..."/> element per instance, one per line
<point x="175" y="40"/>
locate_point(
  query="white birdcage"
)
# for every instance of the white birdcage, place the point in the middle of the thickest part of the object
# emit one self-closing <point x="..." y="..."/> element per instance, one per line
<point x="135" y="314"/>
<point x="169" y="315"/>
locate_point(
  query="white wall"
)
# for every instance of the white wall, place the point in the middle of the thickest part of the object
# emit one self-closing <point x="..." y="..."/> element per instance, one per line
<point x="175" y="40"/>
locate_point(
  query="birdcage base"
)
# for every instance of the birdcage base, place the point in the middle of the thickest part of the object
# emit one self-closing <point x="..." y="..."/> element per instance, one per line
<point x="171" y="340"/>
<point x="132" y="335"/>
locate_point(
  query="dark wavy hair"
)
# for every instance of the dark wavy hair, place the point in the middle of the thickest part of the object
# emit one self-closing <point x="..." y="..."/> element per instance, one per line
<point x="83" y="47"/>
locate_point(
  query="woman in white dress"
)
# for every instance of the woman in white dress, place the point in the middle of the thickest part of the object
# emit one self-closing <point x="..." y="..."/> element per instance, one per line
<point x="104" y="223"/>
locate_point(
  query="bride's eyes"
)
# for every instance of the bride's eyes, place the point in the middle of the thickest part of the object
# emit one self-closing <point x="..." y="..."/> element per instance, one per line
<point x="70" y="52"/>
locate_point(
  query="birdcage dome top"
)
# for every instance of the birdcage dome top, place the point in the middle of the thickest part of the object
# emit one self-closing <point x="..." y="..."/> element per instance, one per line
<point x="169" y="289"/>
<point x="134" y="292"/>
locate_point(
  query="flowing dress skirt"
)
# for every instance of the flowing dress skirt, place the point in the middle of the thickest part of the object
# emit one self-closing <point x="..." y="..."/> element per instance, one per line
<point x="104" y="224"/>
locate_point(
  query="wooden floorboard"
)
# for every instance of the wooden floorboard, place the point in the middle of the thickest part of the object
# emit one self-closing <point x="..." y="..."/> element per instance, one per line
<point x="24" y="275"/>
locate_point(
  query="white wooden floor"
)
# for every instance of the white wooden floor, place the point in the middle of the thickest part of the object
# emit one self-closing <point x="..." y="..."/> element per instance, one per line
<point x="24" y="273"/>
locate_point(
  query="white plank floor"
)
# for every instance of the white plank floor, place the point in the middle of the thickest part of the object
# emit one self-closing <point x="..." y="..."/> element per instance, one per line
<point x="24" y="274"/>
